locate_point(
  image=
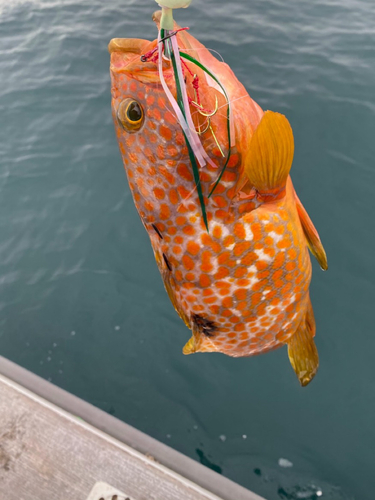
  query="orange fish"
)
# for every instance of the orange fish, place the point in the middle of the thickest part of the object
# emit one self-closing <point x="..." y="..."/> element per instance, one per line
<point x="242" y="287"/>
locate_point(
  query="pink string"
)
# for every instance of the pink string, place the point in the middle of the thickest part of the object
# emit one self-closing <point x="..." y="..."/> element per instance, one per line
<point x="174" y="104"/>
<point x="196" y="145"/>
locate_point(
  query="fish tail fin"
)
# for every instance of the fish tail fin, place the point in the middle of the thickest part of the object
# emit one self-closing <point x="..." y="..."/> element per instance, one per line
<point x="312" y="236"/>
<point x="270" y="155"/>
<point x="302" y="351"/>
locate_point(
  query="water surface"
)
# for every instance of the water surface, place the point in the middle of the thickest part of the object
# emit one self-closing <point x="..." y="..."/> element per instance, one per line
<point x="82" y="303"/>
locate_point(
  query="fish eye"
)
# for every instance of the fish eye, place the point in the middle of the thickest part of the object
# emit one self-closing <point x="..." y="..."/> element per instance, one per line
<point x="130" y="115"/>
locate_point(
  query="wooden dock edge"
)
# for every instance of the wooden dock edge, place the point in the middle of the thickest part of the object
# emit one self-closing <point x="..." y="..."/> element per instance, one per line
<point x="189" y="479"/>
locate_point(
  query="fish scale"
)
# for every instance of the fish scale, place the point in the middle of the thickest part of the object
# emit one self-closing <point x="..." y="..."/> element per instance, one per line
<point x="243" y="287"/>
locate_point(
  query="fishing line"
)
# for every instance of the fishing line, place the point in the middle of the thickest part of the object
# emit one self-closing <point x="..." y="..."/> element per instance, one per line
<point x="182" y="204"/>
<point x="233" y="100"/>
<point x="211" y="50"/>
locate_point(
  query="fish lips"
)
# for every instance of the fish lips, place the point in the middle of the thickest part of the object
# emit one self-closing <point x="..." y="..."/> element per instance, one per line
<point x="126" y="56"/>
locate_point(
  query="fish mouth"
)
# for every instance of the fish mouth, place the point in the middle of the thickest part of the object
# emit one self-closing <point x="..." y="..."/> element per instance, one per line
<point x="126" y="57"/>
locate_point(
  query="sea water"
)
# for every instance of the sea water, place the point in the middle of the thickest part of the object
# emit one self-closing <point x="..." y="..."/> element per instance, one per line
<point x="82" y="303"/>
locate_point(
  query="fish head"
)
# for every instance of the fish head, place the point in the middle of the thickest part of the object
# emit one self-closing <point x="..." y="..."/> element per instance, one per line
<point x="150" y="137"/>
<point x="147" y="130"/>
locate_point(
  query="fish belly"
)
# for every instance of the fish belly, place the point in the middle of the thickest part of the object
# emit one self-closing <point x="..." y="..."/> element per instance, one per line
<point x="242" y="288"/>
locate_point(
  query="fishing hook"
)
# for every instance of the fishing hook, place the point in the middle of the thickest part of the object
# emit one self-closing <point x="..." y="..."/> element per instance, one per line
<point x="217" y="142"/>
<point x="200" y="132"/>
<point x="208" y="115"/>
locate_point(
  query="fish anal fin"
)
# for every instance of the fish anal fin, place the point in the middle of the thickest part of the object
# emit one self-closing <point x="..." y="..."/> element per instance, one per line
<point x="270" y="155"/>
<point x="303" y="354"/>
<point x="310" y="319"/>
<point x="312" y="236"/>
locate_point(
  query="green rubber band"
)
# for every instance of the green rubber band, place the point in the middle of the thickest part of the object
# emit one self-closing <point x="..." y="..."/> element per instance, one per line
<point x="193" y="160"/>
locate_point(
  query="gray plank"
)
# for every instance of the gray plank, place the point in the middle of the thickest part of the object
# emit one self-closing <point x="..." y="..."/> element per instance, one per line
<point x="48" y="454"/>
<point x="39" y="436"/>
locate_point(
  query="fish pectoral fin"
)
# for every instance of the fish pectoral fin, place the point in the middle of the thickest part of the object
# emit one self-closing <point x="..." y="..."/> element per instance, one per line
<point x="270" y="153"/>
<point x="303" y="354"/>
<point x="312" y="236"/>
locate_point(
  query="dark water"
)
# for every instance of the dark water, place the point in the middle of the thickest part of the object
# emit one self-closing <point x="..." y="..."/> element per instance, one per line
<point x="82" y="303"/>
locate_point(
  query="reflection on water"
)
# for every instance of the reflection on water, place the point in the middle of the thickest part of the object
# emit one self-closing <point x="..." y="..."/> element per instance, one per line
<point x="307" y="493"/>
<point x="207" y="462"/>
<point x="81" y="300"/>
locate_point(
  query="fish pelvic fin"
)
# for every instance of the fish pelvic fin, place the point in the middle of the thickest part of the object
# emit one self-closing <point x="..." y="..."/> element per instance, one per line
<point x="190" y="347"/>
<point x="270" y="155"/>
<point x="302" y="351"/>
<point x="196" y="344"/>
<point x="312" y="236"/>
<point x="199" y="341"/>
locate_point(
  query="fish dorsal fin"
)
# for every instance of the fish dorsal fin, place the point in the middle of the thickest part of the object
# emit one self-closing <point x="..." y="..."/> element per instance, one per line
<point x="270" y="154"/>
<point x="312" y="236"/>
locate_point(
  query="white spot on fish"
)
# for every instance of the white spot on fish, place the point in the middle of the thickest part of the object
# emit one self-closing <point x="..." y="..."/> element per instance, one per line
<point x="215" y="264"/>
<point x="249" y="234"/>
<point x="224" y="229"/>
<point x="276" y="237"/>
<point x="253" y="280"/>
<point x="263" y="255"/>
<point x="235" y="312"/>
